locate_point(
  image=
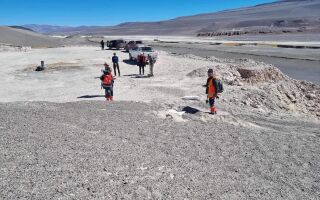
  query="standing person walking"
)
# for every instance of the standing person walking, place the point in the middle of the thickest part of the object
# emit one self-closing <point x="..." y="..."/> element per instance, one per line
<point x="102" y="45"/>
<point x="115" y="61"/>
<point x="152" y="61"/>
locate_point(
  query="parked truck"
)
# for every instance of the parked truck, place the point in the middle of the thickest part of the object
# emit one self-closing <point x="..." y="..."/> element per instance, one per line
<point x="132" y="44"/>
<point x="116" y="44"/>
<point x="141" y="49"/>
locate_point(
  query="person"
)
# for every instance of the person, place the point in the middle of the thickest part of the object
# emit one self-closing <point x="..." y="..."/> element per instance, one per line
<point x="212" y="91"/>
<point x="115" y="61"/>
<point x="107" y="81"/>
<point x="106" y="66"/>
<point x="142" y="62"/>
<point x="102" y="45"/>
<point x="152" y="61"/>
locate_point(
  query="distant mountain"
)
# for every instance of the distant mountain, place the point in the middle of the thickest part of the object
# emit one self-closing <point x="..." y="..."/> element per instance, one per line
<point x="278" y="17"/>
<point x="49" y="29"/>
<point x="22" y="28"/>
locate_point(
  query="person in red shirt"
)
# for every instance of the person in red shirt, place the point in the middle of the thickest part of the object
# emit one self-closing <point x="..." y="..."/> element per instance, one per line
<point x="142" y="62"/>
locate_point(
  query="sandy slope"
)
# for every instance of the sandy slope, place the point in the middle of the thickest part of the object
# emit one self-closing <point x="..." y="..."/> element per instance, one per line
<point x="20" y="37"/>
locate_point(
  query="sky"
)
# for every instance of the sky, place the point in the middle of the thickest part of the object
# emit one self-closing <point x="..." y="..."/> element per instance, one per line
<point x="108" y="12"/>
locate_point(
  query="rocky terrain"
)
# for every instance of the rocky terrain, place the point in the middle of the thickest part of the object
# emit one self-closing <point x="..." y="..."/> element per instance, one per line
<point x="266" y="87"/>
<point x="59" y="139"/>
<point x="124" y="150"/>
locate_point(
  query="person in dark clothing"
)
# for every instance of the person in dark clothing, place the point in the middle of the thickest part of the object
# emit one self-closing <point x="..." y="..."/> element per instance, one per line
<point x="142" y="62"/>
<point x="115" y="61"/>
<point x="102" y="45"/>
<point x="211" y="91"/>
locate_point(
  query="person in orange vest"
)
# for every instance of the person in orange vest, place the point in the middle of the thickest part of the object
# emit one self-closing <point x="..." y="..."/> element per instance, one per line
<point x="107" y="81"/>
<point x="212" y="91"/>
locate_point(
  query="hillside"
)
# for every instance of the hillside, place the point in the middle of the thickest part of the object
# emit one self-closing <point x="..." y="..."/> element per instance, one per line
<point x="20" y="37"/>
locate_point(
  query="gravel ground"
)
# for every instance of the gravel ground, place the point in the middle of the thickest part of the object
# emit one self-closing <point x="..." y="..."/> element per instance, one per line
<point x="263" y="144"/>
<point x="124" y="150"/>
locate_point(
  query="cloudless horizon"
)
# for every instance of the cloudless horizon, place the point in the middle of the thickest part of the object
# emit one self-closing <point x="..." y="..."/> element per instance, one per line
<point x="108" y="12"/>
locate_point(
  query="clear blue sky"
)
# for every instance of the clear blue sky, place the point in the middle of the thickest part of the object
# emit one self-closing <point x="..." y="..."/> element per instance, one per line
<point x="107" y="12"/>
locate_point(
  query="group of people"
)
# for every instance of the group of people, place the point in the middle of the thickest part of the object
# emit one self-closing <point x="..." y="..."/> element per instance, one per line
<point x="108" y="80"/>
<point x="143" y="61"/>
<point x="214" y="86"/>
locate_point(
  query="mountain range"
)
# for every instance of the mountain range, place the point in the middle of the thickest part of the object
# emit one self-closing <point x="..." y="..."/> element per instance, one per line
<point x="278" y="17"/>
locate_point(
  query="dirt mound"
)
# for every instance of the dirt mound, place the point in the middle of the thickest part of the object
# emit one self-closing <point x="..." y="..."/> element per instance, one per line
<point x="265" y="74"/>
<point x="234" y="72"/>
<point x="200" y="72"/>
<point x="293" y="96"/>
<point x="265" y="87"/>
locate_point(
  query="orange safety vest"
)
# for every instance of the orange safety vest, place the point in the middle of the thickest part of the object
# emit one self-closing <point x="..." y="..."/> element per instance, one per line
<point x="211" y="89"/>
<point x="107" y="79"/>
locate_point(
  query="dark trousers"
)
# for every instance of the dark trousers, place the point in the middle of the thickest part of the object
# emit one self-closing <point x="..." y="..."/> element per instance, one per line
<point x="108" y="91"/>
<point x="141" y="69"/>
<point x="102" y="47"/>
<point x="115" y="67"/>
<point x="211" y="102"/>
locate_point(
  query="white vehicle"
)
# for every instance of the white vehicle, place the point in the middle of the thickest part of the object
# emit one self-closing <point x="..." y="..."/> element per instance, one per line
<point x="140" y="49"/>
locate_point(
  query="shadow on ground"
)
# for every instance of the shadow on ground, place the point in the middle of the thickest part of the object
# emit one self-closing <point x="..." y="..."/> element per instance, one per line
<point x="137" y="76"/>
<point x="90" y="96"/>
<point x="190" y="110"/>
<point x="130" y="62"/>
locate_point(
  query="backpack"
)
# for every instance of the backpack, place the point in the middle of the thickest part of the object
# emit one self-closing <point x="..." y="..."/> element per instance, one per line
<point x="107" y="79"/>
<point x="220" y="86"/>
<point x="143" y="59"/>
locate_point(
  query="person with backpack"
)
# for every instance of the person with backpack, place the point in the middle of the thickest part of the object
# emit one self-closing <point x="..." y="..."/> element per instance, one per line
<point x="102" y="45"/>
<point x="115" y="61"/>
<point x="212" y="91"/>
<point x="142" y="62"/>
<point x="107" y="81"/>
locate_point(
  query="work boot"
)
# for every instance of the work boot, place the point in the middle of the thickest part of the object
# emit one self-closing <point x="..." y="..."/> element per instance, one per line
<point x="213" y="110"/>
